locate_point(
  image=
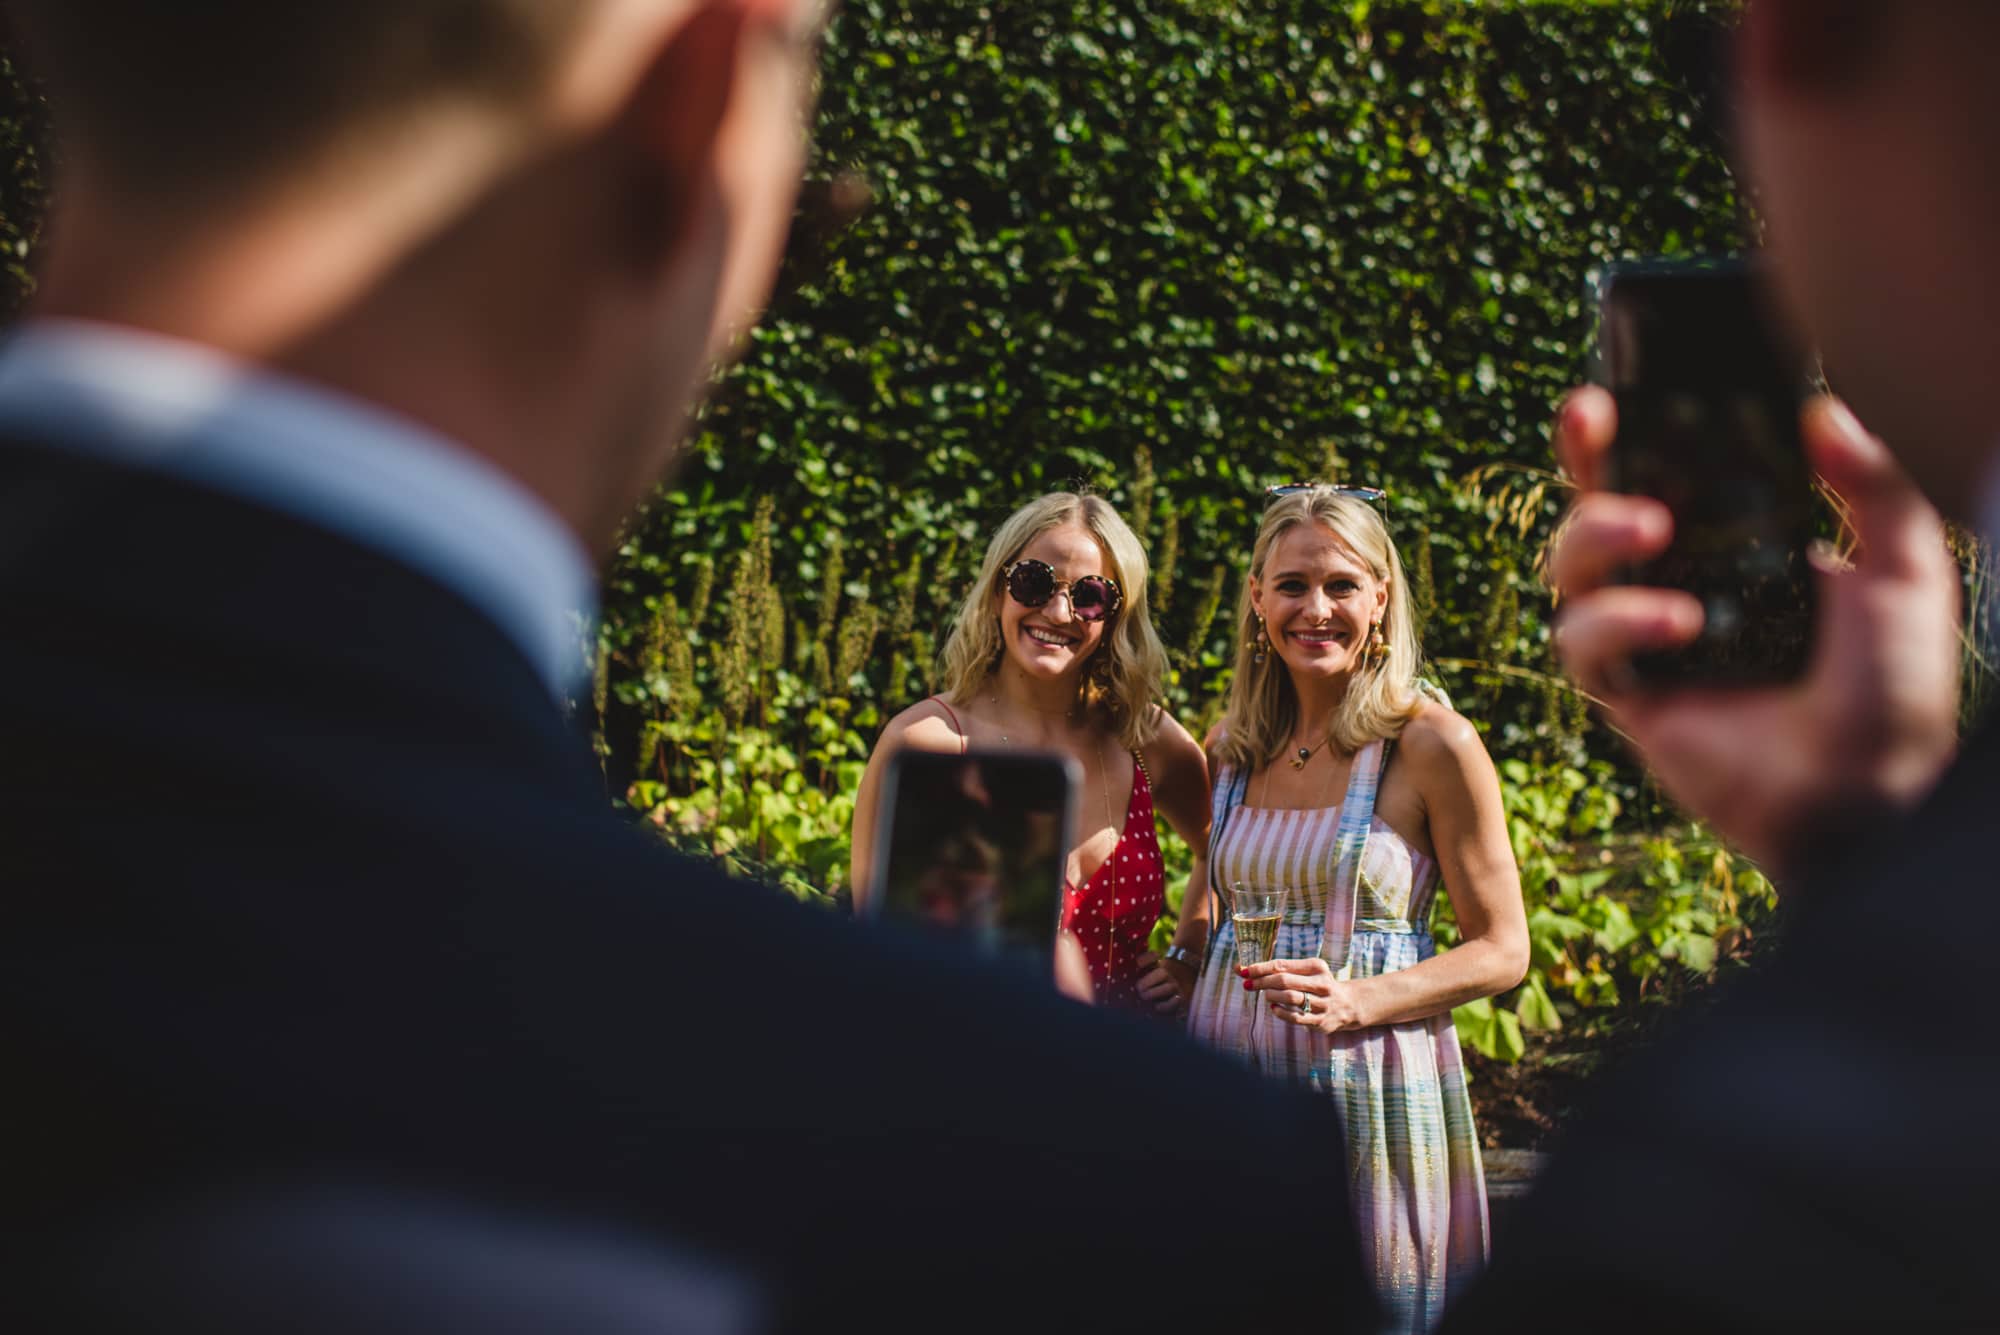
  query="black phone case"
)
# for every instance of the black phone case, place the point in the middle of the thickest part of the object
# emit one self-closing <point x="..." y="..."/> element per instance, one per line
<point x="1708" y="404"/>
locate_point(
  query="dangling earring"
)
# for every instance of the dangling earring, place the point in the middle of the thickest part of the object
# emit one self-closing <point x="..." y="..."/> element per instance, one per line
<point x="1260" y="647"/>
<point x="1378" y="644"/>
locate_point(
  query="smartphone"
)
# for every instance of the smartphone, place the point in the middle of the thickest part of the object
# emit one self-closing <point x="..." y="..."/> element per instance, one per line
<point x="977" y="844"/>
<point x="1709" y="386"/>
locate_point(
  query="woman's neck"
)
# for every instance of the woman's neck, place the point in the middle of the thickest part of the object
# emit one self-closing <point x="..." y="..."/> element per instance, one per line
<point x="1052" y="705"/>
<point x="1319" y="698"/>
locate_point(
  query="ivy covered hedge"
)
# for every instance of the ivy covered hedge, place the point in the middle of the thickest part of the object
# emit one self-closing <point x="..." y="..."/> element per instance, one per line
<point x="24" y="145"/>
<point x="1171" y="251"/>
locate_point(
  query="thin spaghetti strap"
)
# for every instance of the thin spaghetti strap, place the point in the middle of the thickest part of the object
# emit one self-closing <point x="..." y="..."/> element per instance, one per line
<point x="964" y="743"/>
<point x="1228" y="794"/>
<point x="1357" y="815"/>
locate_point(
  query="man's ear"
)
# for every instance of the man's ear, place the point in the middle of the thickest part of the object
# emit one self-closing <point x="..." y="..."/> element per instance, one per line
<point x="672" y="120"/>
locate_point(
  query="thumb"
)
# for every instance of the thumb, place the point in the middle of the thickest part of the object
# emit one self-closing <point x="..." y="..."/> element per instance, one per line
<point x="1897" y="528"/>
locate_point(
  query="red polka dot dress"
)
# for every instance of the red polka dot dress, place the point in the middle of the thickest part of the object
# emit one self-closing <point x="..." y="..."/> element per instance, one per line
<point x="1113" y="912"/>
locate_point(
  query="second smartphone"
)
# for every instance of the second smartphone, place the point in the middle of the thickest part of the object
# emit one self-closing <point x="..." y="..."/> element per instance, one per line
<point x="1709" y="386"/>
<point x="977" y="844"/>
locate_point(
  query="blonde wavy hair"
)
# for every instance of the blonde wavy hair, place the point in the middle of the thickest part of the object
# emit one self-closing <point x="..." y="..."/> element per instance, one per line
<point x="1383" y="695"/>
<point x="1122" y="679"/>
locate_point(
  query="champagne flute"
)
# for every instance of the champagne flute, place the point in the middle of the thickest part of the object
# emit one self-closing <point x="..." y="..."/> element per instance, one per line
<point x="1255" y="912"/>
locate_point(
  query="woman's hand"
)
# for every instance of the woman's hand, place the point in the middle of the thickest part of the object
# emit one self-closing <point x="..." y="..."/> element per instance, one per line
<point x="1305" y="993"/>
<point x="1165" y="985"/>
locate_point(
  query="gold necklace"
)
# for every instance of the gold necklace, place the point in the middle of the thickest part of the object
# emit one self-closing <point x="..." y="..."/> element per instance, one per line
<point x="1110" y="817"/>
<point x="1110" y="922"/>
<point x="994" y="700"/>
<point x="1325" y="785"/>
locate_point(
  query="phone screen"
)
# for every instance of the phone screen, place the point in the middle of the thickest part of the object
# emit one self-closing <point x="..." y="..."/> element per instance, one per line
<point x="1708" y="392"/>
<point x="977" y="844"/>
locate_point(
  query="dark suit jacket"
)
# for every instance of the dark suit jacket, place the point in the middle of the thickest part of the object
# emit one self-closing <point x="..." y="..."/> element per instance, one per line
<point x="308" y="881"/>
<point x="1815" y="1154"/>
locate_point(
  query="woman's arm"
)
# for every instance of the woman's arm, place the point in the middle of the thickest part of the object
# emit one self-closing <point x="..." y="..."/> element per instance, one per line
<point x="1179" y="769"/>
<point x="921" y="727"/>
<point x="1461" y="799"/>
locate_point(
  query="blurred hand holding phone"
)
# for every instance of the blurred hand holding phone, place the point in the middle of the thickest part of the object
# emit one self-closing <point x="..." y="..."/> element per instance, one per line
<point x="976" y="845"/>
<point x="1834" y="693"/>
<point x="1708" y="389"/>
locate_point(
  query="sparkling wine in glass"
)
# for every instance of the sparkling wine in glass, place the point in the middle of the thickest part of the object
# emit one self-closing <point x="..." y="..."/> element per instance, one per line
<point x="1255" y="911"/>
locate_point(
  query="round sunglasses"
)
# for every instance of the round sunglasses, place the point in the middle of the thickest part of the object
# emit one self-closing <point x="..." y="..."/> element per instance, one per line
<point x="1032" y="583"/>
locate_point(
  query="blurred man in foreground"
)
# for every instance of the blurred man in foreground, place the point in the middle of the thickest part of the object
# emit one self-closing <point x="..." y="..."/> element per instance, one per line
<point x="363" y="325"/>
<point x="1811" y="1156"/>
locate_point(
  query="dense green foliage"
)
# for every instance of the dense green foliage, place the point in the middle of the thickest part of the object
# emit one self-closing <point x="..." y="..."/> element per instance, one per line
<point x="24" y="137"/>
<point x="1173" y="252"/>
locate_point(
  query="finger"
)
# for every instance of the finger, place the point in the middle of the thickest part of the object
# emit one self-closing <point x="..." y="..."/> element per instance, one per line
<point x="1295" y="1004"/>
<point x="1282" y="981"/>
<point x="1154" y="986"/>
<point x="1896" y="527"/>
<point x="1269" y="967"/>
<point x="1147" y="959"/>
<point x="1583" y="433"/>
<point x="1597" y="636"/>
<point x="1603" y="532"/>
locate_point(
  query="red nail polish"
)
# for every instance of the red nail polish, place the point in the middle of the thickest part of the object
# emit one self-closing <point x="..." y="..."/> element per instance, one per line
<point x="1249" y="986"/>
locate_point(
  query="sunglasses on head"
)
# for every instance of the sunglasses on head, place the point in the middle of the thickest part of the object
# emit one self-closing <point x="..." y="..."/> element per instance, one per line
<point x="1373" y="495"/>
<point x="1032" y="583"/>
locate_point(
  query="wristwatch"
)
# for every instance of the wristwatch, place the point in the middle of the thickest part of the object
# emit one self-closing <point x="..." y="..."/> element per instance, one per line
<point x="1180" y="955"/>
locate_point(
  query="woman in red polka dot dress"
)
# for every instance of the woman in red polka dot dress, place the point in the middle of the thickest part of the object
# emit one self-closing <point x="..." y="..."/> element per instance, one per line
<point x="1053" y="651"/>
<point x="1112" y="913"/>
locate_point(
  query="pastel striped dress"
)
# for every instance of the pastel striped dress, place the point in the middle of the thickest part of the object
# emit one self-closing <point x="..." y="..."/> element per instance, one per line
<point x="1413" y="1157"/>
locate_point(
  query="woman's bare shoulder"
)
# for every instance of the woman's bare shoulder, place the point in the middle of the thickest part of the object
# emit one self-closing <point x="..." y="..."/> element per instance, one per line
<point x="927" y="725"/>
<point x="1172" y="752"/>
<point x="1440" y="740"/>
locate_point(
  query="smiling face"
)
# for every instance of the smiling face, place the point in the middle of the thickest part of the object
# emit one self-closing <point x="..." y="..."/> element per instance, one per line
<point x="1318" y="600"/>
<point x="1051" y="641"/>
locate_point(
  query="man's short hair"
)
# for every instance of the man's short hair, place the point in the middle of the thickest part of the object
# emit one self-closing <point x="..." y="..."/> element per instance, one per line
<point x="201" y="92"/>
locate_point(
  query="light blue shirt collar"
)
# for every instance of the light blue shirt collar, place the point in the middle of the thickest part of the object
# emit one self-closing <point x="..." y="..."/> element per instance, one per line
<point x="347" y="466"/>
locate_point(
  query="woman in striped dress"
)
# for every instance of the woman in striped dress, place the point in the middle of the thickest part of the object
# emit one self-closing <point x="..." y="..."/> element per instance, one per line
<point x="1054" y="651"/>
<point x="1340" y="783"/>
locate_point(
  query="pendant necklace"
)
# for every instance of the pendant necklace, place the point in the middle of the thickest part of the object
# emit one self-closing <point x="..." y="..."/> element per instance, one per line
<point x="1110" y="923"/>
<point x="1325" y="784"/>
<point x="994" y="700"/>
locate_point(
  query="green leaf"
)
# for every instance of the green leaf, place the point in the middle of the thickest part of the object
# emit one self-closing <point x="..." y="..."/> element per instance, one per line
<point x="1535" y="1008"/>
